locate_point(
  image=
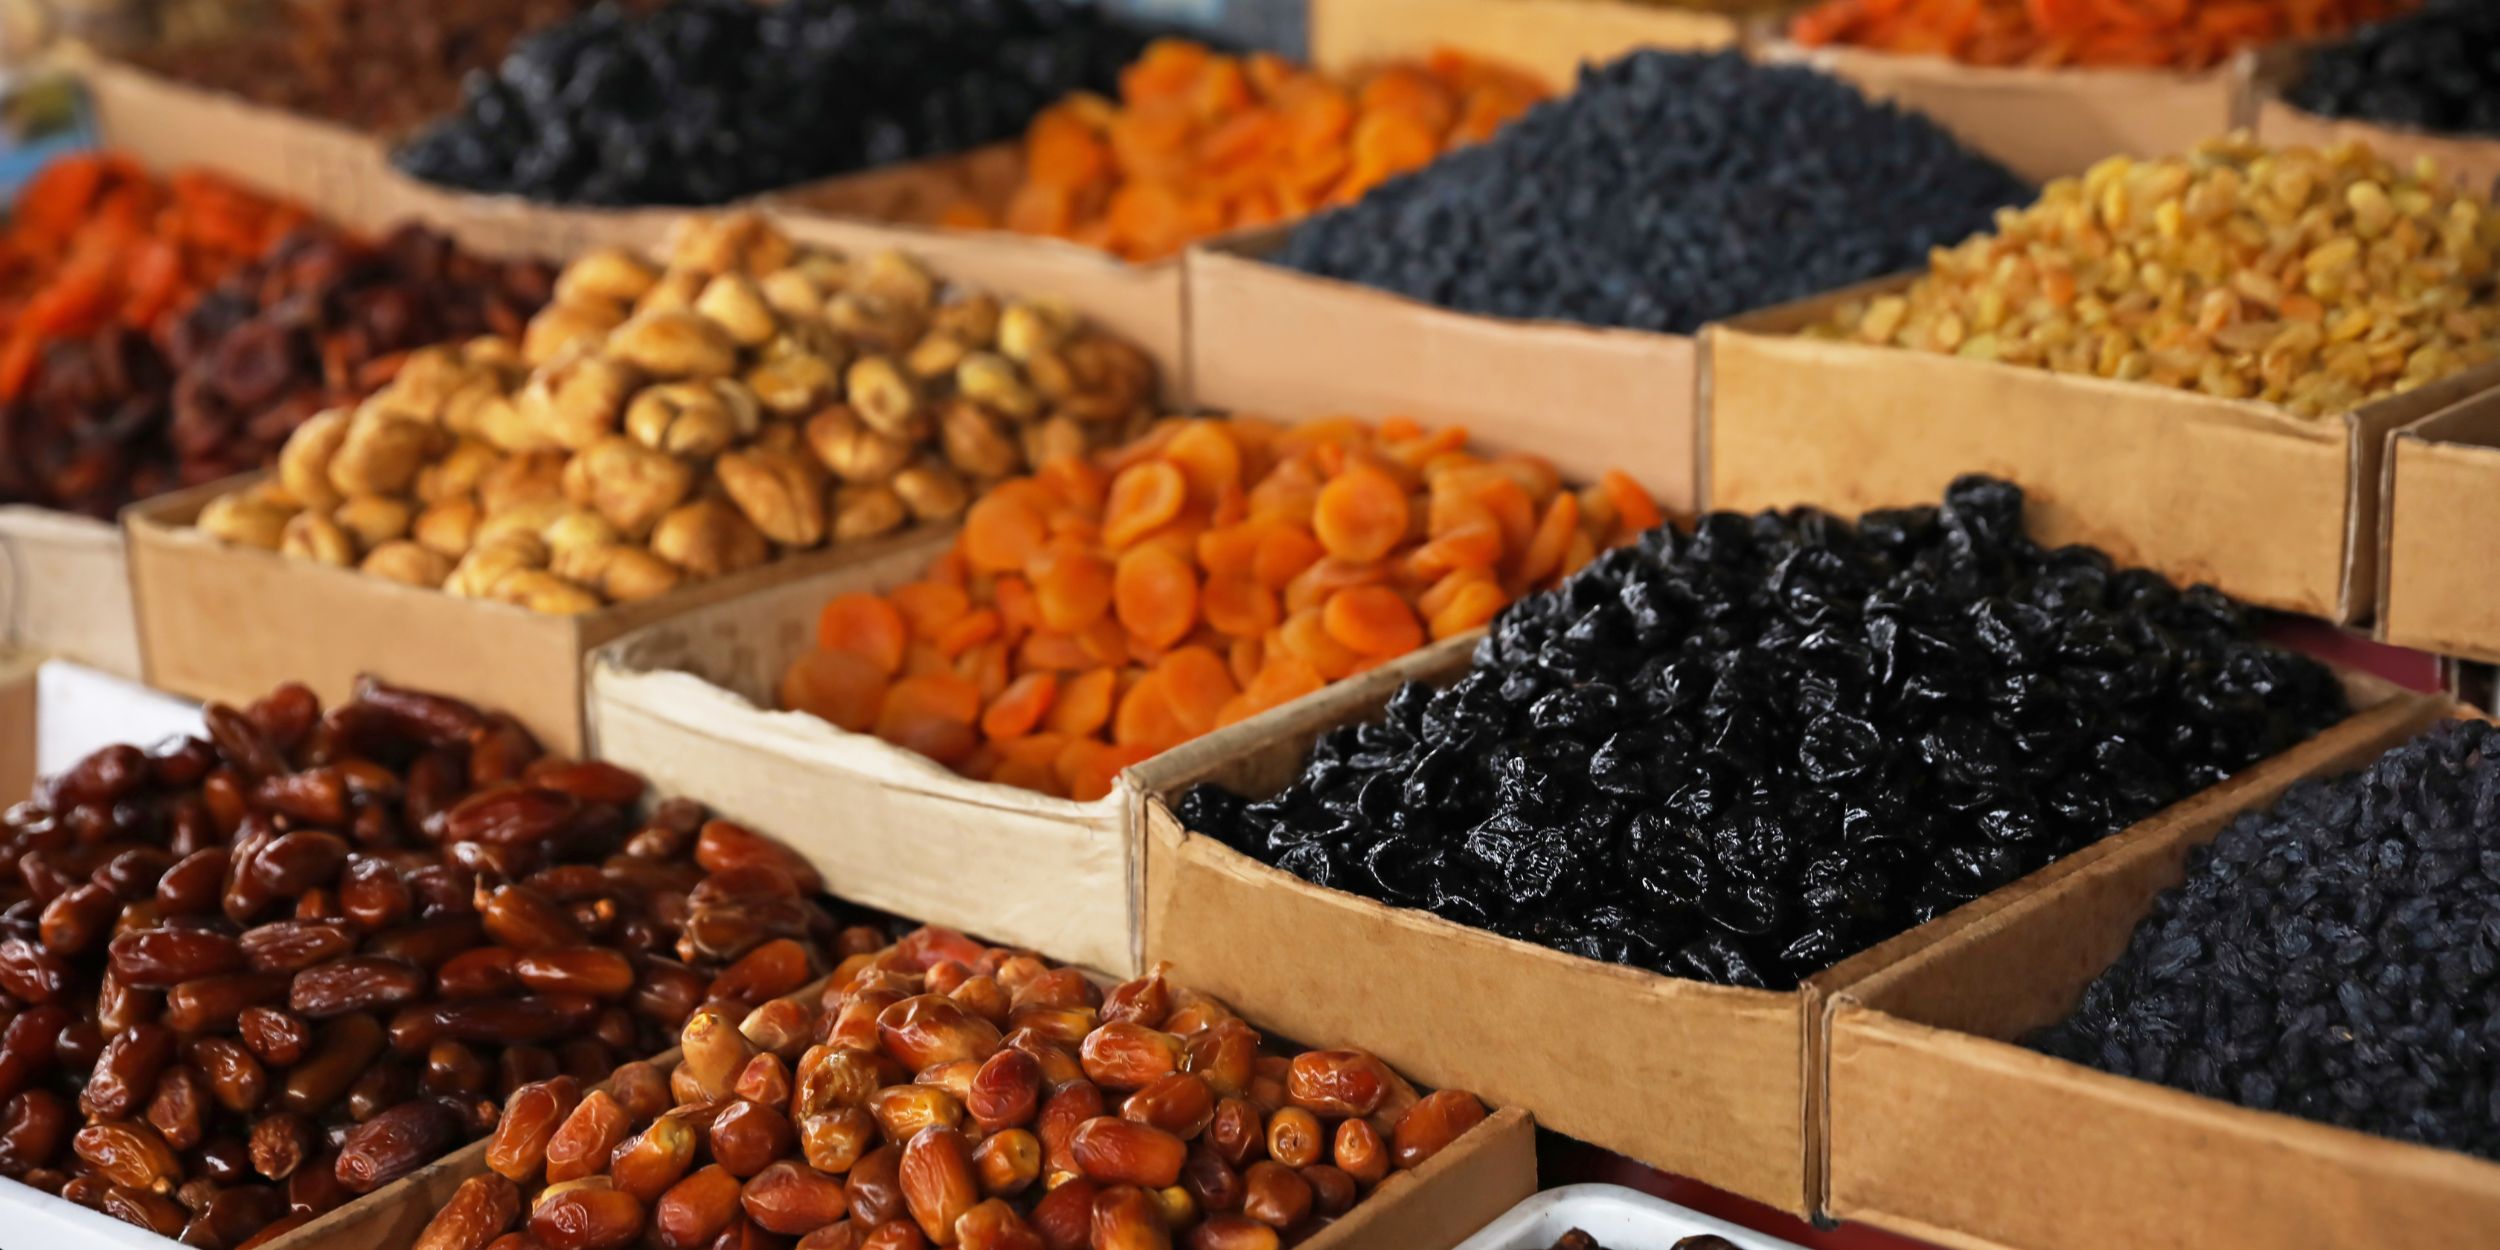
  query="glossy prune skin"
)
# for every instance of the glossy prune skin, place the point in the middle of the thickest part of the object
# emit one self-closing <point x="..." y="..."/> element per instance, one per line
<point x="1742" y="754"/>
<point x="760" y="96"/>
<point x="1731" y="199"/>
<point x="2437" y="69"/>
<point x="2329" y="957"/>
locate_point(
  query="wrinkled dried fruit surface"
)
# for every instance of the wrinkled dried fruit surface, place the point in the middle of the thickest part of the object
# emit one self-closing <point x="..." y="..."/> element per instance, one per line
<point x="1533" y="222"/>
<point x="2035" y="35"/>
<point x="2315" y="281"/>
<point x="2326" y="956"/>
<point x="331" y="1010"/>
<point x="1743" y="753"/>
<point x="1099" y="611"/>
<point x="2430" y="70"/>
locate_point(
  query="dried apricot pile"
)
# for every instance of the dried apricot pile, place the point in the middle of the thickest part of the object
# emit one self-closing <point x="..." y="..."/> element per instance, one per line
<point x="2182" y="34"/>
<point x="2315" y="280"/>
<point x="1099" y="611"/>
<point x="94" y="242"/>
<point x="1201" y="143"/>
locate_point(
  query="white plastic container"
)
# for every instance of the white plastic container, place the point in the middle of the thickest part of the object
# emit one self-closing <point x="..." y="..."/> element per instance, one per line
<point x="1619" y="1218"/>
<point x="33" y="1220"/>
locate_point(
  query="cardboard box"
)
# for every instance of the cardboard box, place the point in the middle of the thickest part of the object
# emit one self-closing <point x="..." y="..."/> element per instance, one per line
<point x="231" y="623"/>
<point x="1282" y="343"/>
<point x="1943" y="1128"/>
<point x="2043" y="124"/>
<point x="1719" y="1083"/>
<point x="1549" y="38"/>
<point x="17" y="726"/>
<point x="2279" y="510"/>
<point x="2443" y="501"/>
<point x="65" y="589"/>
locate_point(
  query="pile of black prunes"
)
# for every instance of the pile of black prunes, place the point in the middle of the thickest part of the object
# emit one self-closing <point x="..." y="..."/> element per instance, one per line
<point x="2335" y="957"/>
<point x="1667" y="191"/>
<point x="1744" y="754"/>
<point x="705" y="101"/>
<point x="2437" y="69"/>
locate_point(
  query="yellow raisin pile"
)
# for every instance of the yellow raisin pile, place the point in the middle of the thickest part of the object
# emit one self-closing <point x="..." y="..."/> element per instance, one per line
<point x="2313" y="280"/>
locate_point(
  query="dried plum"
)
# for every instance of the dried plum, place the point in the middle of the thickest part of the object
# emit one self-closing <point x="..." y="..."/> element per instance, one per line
<point x="1823" y="734"/>
<point x="2437" y="69"/>
<point x="1667" y="191"/>
<point x="2335" y="956"/>
<point x="706" y="101"/>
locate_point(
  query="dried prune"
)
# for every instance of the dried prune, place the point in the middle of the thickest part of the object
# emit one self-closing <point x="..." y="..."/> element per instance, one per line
<point x="2435" y="70"/>
<point x="1744" y="753"/>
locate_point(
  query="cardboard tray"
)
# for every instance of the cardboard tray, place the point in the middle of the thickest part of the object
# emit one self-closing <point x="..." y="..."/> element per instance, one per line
<point x="2044" y="124"/>
<point x="18" y="738"/>
<point x="1282" y="343"/>
<point x="2442" y="486"/>
<point x="65" y="589"/>
<point x="2471" y="162"/>
<point x="1944" y="1129"/>
<point x="2278" y="510"/>
<point x="1547" y="37"/>
<point x="231" y="623"/>
<point x="1722" y="1084"/>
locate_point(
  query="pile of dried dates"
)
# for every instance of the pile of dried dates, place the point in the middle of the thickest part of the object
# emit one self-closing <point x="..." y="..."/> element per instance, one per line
<point x="939" y="1092"/>
<point x="126" y="412"/>
<point x="666" y="423"/>
<point x="1742" y="754"/>
<point x="251" y="976"/>
<point x="2333" y="957"/>
<point x="706" y="101"/>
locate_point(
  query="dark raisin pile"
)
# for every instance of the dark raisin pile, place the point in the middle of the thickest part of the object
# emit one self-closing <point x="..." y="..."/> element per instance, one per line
<point x="1743" y="754"/>
<point x="704" y="101"/>
<point x="2335" y="957"/>
<point x="2437" y="70"/>
<point x="1669" y="190"/>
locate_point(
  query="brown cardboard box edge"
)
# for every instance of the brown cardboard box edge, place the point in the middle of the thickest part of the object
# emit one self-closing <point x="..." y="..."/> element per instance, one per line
<point x="1849" y="426"/>
<point x="18" y="730"/>
<point x="65" y="589"/>
<point x="1548" y="37"/>
<point x="1273" y="341"/>
<point x="2442" y="486"/>
<point x="1925" y="1117"/>
<point x="204" y="607"/>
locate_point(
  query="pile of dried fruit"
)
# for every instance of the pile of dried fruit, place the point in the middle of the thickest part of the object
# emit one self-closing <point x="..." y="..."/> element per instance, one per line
<point x="2329" y="958"/>
<point x="947" y="1094"/>
<point x="1201" y="143"/>
<point x="253" y="975"/>
<point x="2312" y="280"/>
<point x="2104" y="34"/>
<point x="662" y="424"/>
<point x="1667" y="191"/>
<point x="376" y="65"/>
<point x="1578" y="1239"/>
<point x="760" y="96"/>
<point x="1744" y="754"/>
<point x="126" y="412"/>
<point x="1092" y="615"/>
<point x="2436" y="70"/>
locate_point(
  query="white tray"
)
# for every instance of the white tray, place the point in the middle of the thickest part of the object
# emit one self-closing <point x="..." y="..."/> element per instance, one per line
<point x="1619" y="1218"/>
<point x="31" y="1219"/>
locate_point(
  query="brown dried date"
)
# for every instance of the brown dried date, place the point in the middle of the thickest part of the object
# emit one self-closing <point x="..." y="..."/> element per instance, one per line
<point x="361" y="983"/>
<point x="586" y="1217"/>
<point x="792" y="1199"/>
<point x="589" y="1134"/>
<point x="479" y="1211"/>
<point x="341" y="1051"/>
<point x="648" y="1163"/>
<point x="121" y="1152"/>
<point x="35" y="1126"/>
<point x="696" y="1210"/>
<point x="397" y="1142"/>
<point x="510" y="816"/>
<point x="1113" y="1151"/>
<point x="278" y="1038"/>
<point x="280" y="1142"/>
<point x="1428" y="1128"/>
<point x="218" y="1003"/>
<point x="125" y="1073"/>
<point x="291" y="946"/>
<point x="587" y="970"/>
<point x="236" y="1079"/>
<point x="531" y="1116"/>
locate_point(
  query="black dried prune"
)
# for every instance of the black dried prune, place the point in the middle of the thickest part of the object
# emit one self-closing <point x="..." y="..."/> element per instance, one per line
<point x="1666" y="191"/>
<point x="2335" y="956"/>
<point x="2437" y="69"/>
<point x="1826" y="734"/>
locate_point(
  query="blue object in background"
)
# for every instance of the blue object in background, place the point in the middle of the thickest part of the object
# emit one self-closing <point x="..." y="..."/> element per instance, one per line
<point x="1276" y="25"/>
<point x="41" y="117"/>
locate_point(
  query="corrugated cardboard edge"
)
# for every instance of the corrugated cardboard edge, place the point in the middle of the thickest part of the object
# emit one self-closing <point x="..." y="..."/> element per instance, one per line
<point x="1292" y="345"/>
<point x="2044" y="124"/>
<point x="2131" y="868"/>
<point x="18" y="730"/>
<point x="1762" y="350"/>
<point x="2442" y="478"/>
<point x="1550" y="38"/>
<point x="65" y="589"/>
<point x="1440" y="1204"/>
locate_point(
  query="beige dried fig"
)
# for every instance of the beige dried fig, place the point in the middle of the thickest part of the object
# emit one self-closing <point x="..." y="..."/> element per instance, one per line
<point x="709" y="538"/>
<point x="1053" y="437"/>
<point x="896" y="279"/>
<point x="687" y="419"/>
<point x="609" y="275"/>
<point x="245" y="519"/>
<point x="408" y="563"/>
<point x="746" y="412"/>
<point x="971" y="319"/>
<point x="734" y="303"/>
<point x="675" y="292"/>
<point x="632" y="573"/>
<point x="494" y="353"/>
<point x="449" y="527"/>
<point x="427" y="379"/>
<point x="932" y="491"/>
<point x="718" y="244"/>
<point x="866" y="511"/>
<point x="530" y="518"/>
<point x="561" y="325"/>
<point x="304" y="463"/>
<point x="542" y="591"/>
<point x="487" y="564"/>
<point x="380" y="454"/>
<point x="791" y="293"/>
<point x="312" y="536"/>
<point x="855" y="453"/>
<point x="502" y="422"/>
<point x="632" y="485"/>
<point x="883" y="396"/>
<point x="782" y="492"/>
<point x="374" y="519"/>
<point x="874" y="324"/>
<point x="1025" y="329"/>
<point x="794" y="384"/>
<point x="467" y="411"/>
<point x="993" y="381"/>
<point x="515" y="480"/>
<point x="578" y="529"/>
<point x="935" y="355"/>
<point x="674" y="345"/>
<point x="578" y="398"/>
<point x="976" y="442"/>
<point x="1112" y="378"/>
<point x="457" y="474"/>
